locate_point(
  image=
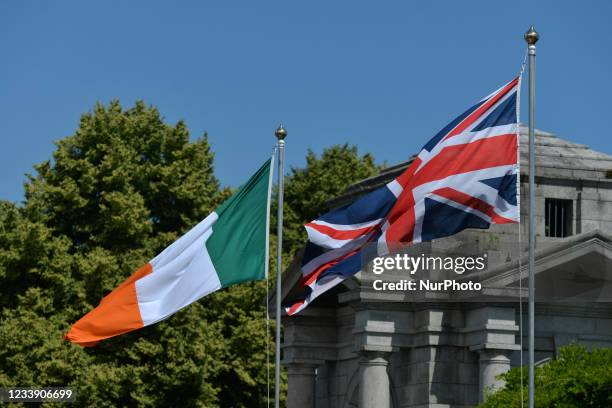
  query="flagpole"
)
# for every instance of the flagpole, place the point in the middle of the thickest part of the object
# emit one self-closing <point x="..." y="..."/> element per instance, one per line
<point x="280" y="134"/>
<point x="531" y="37"/>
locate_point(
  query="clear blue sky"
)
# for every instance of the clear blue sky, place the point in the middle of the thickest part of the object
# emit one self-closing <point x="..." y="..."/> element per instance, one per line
<point x="382" y="75"/>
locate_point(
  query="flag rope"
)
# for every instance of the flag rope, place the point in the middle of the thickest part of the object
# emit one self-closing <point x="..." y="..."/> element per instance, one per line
<point x="267" y="340"/>
<point x="520" y="265"/>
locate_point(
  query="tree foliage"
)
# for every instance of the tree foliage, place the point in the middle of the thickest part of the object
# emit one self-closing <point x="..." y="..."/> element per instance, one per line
<point x="576" y="378"/>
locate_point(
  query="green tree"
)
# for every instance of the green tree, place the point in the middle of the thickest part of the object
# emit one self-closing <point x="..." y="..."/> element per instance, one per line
<point x="576" y="378"/>
<point x="120" y="189"/>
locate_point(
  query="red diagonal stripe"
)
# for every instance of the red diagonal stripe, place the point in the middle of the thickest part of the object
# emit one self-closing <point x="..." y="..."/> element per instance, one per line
<point x="314" y="275"/>
<point x="478" y="112"/>
<point x="295" y="307"/>
<point x="341" y="234"/>
<point x="472" y="202"/>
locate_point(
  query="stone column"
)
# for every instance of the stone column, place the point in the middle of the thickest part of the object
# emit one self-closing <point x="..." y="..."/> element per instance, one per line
<point x="492" y="363"/>
<point x="374" y="388"/>
<point x="301" y="384"/>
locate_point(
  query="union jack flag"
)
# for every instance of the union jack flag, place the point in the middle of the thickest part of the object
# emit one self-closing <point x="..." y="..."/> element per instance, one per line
<point x="464" y="177"/>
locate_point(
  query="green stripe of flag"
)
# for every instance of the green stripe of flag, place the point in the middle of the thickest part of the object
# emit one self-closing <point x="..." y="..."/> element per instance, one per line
<point x="238" y="244"/>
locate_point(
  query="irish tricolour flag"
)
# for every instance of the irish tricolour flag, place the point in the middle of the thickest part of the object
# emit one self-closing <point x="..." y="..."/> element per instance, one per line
<point x="227" y="247"/>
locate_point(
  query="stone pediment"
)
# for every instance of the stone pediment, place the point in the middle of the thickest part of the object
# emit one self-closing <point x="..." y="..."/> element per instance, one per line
<point x="577" y="269"/>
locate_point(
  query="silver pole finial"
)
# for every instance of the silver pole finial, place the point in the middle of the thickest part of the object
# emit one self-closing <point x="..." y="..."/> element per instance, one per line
<point x="280" y="132"/>
<point x="531" y="36"/>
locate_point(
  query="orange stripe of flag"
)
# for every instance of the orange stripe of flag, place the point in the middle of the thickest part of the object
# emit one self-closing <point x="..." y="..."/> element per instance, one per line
<point x="117" y="313"/>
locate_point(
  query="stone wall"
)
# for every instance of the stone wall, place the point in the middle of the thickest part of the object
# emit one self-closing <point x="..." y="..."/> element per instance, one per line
<point x="432" y="356"/>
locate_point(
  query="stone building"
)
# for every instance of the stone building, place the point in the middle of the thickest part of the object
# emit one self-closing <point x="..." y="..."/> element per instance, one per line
<point x="354" y="348"/>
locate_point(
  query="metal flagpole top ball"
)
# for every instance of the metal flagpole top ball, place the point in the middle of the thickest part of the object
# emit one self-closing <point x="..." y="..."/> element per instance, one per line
<point x="532" y="36"/>
<point x="280" y="132"/>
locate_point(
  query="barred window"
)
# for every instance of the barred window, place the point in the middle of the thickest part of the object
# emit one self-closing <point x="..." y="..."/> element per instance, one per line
<point x="558" y="217"/>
